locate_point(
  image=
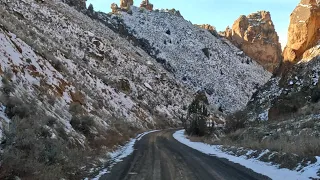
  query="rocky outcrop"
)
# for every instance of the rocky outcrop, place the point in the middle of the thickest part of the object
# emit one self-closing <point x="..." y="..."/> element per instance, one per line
<point x="174" y="12"/>
<point x="114" y="8"/>
<point x="125" y="4"/>
<point x="256" y="36"/>
<point x="303" y="31"/>
<point x="208" y="27"/>
<point x="146" y="4"/>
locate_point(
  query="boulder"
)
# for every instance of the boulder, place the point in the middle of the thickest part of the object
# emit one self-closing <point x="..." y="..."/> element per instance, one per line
<point x="304" y="31"/>
<point x="255" y="35"/>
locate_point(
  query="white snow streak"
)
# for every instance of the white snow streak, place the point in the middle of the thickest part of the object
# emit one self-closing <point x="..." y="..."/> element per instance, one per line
<point x="121" y="153"/>
<point x="260" y="167"/>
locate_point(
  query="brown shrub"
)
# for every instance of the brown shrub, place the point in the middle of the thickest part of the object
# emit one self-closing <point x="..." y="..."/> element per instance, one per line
<point x="235" y="121"/>
<point x="303" y="145"/>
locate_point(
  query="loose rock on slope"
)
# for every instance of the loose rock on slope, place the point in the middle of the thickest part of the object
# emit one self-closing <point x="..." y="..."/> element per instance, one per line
<point x="195" y="56"/>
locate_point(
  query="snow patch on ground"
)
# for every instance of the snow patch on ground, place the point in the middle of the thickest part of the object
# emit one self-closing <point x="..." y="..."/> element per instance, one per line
<point x="121" y="153"/>
<point x="264" y="116"/>
<point x="260" y="167"/>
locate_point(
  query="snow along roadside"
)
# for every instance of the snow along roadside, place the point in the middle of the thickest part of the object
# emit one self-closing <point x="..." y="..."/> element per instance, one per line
<point x="117" y="155"/>
<point x="260" y="167"/>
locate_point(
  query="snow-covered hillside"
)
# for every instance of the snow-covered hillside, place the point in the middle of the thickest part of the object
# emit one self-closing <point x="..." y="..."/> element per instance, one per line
<point x="114" y="77"/>
<point x="295" y="92"/>
<point x="70" y="67"/>
<point x="195" y="56"/>
<point x="92" y="88"/>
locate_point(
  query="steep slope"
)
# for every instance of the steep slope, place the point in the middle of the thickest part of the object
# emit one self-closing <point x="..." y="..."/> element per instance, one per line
<point x="256" y="36"/>
<point x="296" y="90"/>
<point x="210" y="28"/>
<point x="79" y="42"/>
<point x="283" y="115"/>
<point x="96" y="88"/>
<point x="195" y="56"/>
<point x="294" y="94"/>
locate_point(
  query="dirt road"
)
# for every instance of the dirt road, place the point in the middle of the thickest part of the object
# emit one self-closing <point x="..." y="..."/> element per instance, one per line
<point x="158" y="156"/>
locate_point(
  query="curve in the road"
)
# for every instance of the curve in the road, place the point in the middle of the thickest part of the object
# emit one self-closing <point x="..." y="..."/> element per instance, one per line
<point x="158" y="156"/>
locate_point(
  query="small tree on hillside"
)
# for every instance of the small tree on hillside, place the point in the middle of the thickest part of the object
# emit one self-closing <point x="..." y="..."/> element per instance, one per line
<point x="90" y="8"/>
<point x="197" y="115"/>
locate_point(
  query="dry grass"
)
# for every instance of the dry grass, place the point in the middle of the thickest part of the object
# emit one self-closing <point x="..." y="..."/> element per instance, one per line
<point x="302" y="145"/>
<point x="53" y="158"/>
<point x="205" y="139"/>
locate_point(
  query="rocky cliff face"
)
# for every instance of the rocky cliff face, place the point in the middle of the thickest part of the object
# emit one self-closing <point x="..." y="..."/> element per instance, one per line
<point x="304" y="31"/>
<point x="256" y="36"/>
<point x="296" y="92"/>
<point x="287" y="106"/>
<point x="195" y="57"/>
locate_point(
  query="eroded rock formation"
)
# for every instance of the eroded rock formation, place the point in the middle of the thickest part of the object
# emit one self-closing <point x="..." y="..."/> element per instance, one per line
<point x="146" y="4"/>
<point x="256" y="36"/>
<point x="304" y="31"/>
<point x="114" y="7"/>
<point x="125" y="4"/>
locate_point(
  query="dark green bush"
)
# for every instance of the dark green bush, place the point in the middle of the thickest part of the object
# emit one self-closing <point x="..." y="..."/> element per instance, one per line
<point x="16" y="107"/>
<point x="76" y="109"/>
<point x="198" y="127"/>
<point x="82" y="124"/>
<point x="315" y="96"/>
<point x="30" y="152"/>
<point x="197" y="116"/>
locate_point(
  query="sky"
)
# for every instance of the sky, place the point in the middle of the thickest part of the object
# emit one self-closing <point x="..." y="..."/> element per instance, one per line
<point x="220" y="13"/>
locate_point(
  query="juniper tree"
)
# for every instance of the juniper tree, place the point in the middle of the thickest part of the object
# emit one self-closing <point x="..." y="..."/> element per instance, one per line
<point x="197" y="115"/>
